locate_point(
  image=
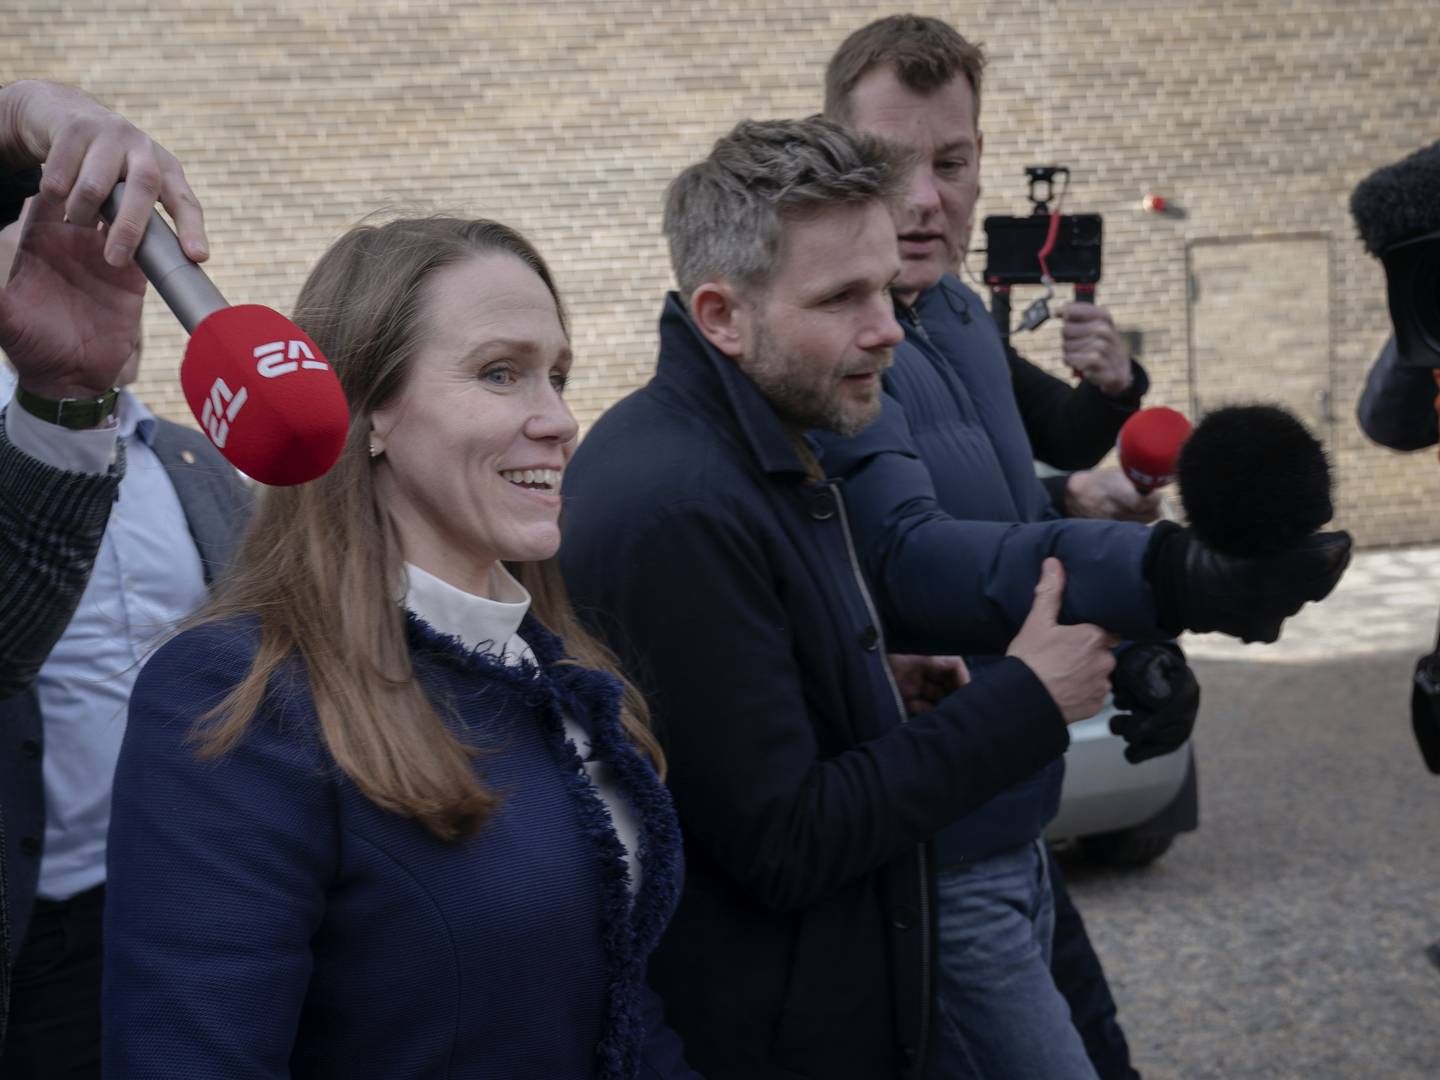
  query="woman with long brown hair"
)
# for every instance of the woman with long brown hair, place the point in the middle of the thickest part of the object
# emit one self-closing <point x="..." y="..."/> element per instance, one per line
<point x="386" y="809"/>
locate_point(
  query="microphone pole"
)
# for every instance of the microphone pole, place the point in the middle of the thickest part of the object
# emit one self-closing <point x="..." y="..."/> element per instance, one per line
<point x="184" y="287"/>
<point x="259" y="387"/>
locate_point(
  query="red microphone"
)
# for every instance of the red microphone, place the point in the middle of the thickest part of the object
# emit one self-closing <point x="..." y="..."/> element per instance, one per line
<point x="264" y="394"/>
<point x="1149" y="447"/>
<point x="261" y="389"/>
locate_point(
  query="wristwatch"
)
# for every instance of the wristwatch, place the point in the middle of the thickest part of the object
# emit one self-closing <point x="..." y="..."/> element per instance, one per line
<point x="76" y="413"/>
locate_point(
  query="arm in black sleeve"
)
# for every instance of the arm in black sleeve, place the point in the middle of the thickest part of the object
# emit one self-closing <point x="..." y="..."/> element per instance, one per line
<point x="1397" y="407"/>
<point x="713" y="644"/>
<point x="1070" y="427"/>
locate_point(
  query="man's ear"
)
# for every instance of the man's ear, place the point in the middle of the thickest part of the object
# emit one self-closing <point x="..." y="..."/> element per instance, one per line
<point x="723" y="316"/>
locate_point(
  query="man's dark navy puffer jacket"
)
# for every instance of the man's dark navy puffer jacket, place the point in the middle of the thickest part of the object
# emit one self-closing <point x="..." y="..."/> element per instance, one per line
<point x="954" y="408"/>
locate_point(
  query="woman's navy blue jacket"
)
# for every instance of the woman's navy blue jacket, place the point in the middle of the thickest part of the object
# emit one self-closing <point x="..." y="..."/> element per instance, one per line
<point x="699" y="543"/>
<point x="264" y="918"/>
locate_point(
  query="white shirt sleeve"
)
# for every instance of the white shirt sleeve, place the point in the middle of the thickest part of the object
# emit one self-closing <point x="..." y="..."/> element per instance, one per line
<point x="87" y="451"/>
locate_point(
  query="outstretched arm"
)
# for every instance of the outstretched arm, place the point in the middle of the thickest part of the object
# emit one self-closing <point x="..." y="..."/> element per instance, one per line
<point x="952" y="586"/>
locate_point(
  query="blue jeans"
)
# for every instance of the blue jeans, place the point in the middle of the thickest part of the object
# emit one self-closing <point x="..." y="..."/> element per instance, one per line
<point x="1081" y="979"/>
<point x="1001" y="1016"/>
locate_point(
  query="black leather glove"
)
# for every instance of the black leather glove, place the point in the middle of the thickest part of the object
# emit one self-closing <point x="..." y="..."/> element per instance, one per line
<point x="1197" y="588"/>
<point x="1156" y="687"/>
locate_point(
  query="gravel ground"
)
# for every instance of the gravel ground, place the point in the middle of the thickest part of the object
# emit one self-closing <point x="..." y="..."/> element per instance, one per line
<point x="1287" y="937"/>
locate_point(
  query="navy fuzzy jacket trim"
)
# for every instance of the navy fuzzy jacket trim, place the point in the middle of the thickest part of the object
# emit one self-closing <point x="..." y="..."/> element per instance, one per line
<point x="556" y="687"/>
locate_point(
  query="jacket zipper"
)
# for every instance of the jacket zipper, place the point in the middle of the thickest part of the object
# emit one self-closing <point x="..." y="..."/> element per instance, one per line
<point x="913" y="318"/>
<point x="925" y="975"/>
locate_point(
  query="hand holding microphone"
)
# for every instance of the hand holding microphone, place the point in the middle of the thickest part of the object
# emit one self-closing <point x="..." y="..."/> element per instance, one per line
<point x="1149" y="446"/>
<point x="260" y="388"/>
<point x="68" y="319"/>
<point x="86" y="149"/>
<point x="1110" y="495"/>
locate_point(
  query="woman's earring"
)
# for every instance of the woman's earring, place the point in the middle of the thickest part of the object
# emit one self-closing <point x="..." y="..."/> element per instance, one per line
<point x="375" y="450"/>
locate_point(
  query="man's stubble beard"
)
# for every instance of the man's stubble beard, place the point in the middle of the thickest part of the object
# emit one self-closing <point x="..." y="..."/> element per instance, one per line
<point x="803" y="406"/>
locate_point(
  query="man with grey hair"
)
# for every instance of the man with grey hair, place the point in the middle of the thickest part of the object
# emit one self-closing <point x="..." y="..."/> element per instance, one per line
<point x="702" y="541"/>
<point x="722" y="224"/>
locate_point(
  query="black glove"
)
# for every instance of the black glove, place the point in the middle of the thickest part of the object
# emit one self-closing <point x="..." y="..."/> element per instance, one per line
<point x="1156" y="687"/>
<point x="1197" y="588"/>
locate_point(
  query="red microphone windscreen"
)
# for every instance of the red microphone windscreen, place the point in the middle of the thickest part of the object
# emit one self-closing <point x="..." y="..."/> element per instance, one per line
<point x="1149" y="446"/>
<point x="265" y="395"/>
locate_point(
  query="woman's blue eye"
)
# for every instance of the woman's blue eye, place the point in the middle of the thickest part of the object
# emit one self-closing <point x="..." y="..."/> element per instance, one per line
<point x="498" y="376"/>
<point x="559" y="380"/>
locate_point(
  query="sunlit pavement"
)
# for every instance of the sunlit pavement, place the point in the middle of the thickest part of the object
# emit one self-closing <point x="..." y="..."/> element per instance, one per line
<point x="1387" y="601"/>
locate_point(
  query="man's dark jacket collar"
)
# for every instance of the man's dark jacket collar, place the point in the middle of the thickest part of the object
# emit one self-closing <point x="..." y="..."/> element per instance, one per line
<point x="715" y="386"/>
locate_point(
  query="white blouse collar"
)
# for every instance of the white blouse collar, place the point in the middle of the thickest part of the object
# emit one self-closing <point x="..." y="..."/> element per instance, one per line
<point x="475" y="620"/>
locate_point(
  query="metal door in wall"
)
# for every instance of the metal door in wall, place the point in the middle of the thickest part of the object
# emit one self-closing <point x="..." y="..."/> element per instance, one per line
<point x="1260" y="325"/>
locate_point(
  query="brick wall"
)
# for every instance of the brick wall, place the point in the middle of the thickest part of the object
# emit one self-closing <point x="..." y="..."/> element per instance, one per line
<point x="566" y="120"/>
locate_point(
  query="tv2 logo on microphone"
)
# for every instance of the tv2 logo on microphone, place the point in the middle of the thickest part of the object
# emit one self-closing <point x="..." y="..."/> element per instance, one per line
<point x="221" y="408"/>
<point x="274" y="359"/>
<point x="280" y="358"/>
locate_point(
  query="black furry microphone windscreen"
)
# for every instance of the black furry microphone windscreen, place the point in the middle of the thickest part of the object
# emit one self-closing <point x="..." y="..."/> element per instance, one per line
<point x="1397" y="212"/>
<point x="1398" y="202"/>
<point x="1254" y="481"/>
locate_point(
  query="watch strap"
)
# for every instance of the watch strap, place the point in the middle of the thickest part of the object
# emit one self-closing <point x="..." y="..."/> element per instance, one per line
<point x="76" y="413"/>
